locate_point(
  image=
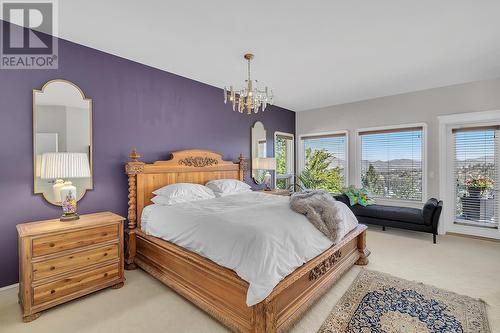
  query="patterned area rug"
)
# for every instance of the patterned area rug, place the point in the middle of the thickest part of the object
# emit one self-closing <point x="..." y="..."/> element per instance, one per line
<point x="377" y="302"/>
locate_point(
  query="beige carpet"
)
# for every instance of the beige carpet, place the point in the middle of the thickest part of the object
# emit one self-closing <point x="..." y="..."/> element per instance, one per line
<point x="466" y="266"/>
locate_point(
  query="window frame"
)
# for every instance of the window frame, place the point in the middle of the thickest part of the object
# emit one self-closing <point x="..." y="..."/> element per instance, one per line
<point x="358" y="158"/>
<point x="496" y="128"/>
<point x="446" y="177"/>
<point x="301" y="152"/>
<point x="276" y="134"/>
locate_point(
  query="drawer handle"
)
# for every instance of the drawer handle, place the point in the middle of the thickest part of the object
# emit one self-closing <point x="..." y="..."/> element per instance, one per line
<point x="105" y="254"/>
<point x="52" y="244"/>
<point x="52" y="291"/>
<point x="104" y="234"/>
<point x="52" y="268"/>
<point x="105" y="274"/>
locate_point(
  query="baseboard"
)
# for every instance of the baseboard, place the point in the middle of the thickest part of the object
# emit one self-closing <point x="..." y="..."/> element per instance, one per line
<point x="473" y="237"/>
<point x="15" y="285"/>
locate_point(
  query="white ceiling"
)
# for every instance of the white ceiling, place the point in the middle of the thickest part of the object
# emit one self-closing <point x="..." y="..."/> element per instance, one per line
<point x="312" y="53"/>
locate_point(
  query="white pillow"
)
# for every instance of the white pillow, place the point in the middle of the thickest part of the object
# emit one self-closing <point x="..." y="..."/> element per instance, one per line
<point x="159" y="200"/>
<point x="227" y="185"/>
<point x="163" y="200"/>
<point x="221" y="194"/>
<point x="182" y="192"/>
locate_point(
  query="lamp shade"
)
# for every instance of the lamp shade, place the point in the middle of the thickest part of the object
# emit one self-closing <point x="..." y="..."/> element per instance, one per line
<point x="38" y="165"/>
<point x="267" y="163"/>
<point x="64" y="165"/>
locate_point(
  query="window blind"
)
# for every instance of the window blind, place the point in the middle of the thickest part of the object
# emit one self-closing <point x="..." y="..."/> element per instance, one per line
<point x="324" y="161"/>
<point x="391" y="163"/>
<point x="476" y="175"/>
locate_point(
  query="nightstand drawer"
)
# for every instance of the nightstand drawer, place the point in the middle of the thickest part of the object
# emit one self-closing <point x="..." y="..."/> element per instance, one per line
<point x="76" y="283"/>
<point x="72" y="240"/>
<point x="69" y="262"/>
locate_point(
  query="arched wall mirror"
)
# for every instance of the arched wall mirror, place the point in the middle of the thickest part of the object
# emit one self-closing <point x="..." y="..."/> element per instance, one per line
<point x="62" y="140"/>
<point x="259" y="152"/>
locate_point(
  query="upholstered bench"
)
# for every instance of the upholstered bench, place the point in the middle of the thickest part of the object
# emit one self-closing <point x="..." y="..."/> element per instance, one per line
<point x="425" y="219"/>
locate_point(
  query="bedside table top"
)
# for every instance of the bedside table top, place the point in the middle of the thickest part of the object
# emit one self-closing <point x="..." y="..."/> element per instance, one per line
<point x="85" y="221"/>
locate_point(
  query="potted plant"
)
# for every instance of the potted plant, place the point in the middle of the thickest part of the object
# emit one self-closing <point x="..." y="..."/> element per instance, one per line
<point x="476" y="186"/>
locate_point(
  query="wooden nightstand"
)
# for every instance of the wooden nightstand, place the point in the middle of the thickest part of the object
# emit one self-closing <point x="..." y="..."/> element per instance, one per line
<point x="276" y="192"/>
<point x="61" y="261"/>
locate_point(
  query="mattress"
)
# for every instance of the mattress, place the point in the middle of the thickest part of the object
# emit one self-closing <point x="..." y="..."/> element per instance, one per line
<point x="255" y="234"/>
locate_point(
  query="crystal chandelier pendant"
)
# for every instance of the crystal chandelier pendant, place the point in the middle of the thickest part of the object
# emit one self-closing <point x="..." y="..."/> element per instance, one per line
<point x="249" y="98"/>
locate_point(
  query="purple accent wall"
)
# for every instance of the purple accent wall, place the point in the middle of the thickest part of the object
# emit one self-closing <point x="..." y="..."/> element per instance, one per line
<point x="133" y="106"/>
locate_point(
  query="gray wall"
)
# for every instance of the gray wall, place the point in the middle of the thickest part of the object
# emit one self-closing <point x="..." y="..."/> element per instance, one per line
<point x="52" y="119"/>
<point x="416" y="107"/>
<point x="78" y="127"/>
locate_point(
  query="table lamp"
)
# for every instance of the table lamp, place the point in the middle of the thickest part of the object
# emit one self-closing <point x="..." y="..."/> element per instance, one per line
<point x="60" y="166"/>
<point x="267" y="163"/>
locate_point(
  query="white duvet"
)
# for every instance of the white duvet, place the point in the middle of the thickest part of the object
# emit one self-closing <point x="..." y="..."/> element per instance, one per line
<point x="255" y="234"/>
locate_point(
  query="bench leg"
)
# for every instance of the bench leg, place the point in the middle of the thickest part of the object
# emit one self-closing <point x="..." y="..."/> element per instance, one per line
<point x="383" y="228"/>
<point x="434" y="238"/>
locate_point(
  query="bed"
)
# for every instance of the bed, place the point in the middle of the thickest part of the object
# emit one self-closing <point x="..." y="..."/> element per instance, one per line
<point x="217" y="290"/>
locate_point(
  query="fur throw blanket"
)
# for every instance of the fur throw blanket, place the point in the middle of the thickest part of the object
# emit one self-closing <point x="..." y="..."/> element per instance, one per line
<point x="322" y="210"/>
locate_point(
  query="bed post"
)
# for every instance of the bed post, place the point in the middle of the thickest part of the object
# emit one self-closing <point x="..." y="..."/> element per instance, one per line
<point x="363" y="251"/>
<point x="242" y="167"/>
<point x="132" y="168"/>
<point x="258" y="318"/>
<point x="264" y="317"/>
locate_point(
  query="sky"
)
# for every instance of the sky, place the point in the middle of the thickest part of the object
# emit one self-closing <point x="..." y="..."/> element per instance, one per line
<point x="475" y="144"/>
<point x="383" y="146"/>
<point x="391" y="146"/>
<point x="335" y="145"/>
<point x="407" y="145"/>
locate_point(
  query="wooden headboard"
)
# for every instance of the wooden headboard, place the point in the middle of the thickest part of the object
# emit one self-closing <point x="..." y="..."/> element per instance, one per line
<point x="186" y="166"/>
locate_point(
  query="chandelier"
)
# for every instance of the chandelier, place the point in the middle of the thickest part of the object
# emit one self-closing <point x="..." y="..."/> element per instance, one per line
<point x="249" y="98"/>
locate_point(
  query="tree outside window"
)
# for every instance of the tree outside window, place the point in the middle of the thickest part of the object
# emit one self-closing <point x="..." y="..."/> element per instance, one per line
<point x="283" y="152"/>
<point x="318" y="172"/>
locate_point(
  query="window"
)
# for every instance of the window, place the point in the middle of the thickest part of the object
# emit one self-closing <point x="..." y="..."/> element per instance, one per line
<point x="324" y="162"/>
<point x="392" y="164"/>
<point x="476" y="175"/>
<point x="284" y="154"/>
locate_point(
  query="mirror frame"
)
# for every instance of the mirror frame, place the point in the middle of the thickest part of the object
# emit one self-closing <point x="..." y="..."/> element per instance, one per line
<point x="252" y="150"/>
<point x="84" y="98"/>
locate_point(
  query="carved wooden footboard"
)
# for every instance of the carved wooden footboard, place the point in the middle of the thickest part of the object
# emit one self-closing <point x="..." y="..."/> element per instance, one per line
<point x="216" y="289"/>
